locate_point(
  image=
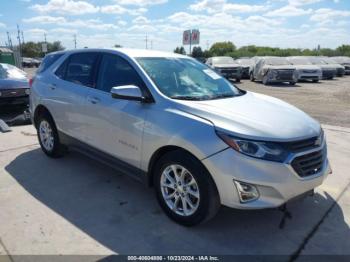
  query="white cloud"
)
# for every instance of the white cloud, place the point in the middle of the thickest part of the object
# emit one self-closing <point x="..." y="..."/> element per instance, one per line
<point x="212" y="6"/>
<point x="288" y="11"/>
<point x="119" y="10"/>
<point x="2" y="25"/>
<point x="36" y="31"/>
<point x="61" y="30"/>
<point x="327" y="15"/>
<point x="96" y="24"/>
<point x="45" y="20"/>
<point x="122" y="23"/>
<point x="141" y="20"/>
<point x="303" y="2"/>
<point x="141" y="2"/>
<point x="70" y="7"/>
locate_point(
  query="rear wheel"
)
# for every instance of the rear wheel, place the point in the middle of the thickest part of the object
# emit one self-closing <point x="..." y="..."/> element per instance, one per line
<point x="251" y="76"/>
<point x="48" y="136"/>
<point x="185" y="189"/>
<point x="265" y="80"/>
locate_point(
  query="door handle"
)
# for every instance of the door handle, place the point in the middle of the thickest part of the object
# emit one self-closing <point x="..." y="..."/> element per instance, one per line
<point x="52" y="86"/>
<point x="93" y="100"/>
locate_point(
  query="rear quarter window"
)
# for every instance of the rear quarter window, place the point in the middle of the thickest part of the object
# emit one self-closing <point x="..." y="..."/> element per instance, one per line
<point x="48" y="61"/>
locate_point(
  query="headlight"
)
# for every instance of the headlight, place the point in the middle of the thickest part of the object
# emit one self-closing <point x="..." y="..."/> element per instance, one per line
<point x="258" y="149"/>
<point x="27" y="91"/>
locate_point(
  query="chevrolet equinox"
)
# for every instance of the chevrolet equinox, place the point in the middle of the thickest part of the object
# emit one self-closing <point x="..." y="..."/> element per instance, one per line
<point x="177" y="125"/>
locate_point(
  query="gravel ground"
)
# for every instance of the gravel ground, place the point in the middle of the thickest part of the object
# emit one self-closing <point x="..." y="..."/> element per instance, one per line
<point x="327" y="101"/>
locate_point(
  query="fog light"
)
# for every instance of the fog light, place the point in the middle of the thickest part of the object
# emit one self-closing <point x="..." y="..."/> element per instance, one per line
<point x="246" y="192"/>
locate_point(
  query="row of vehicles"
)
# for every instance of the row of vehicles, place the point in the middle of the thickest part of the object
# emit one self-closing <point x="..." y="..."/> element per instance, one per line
<point x="270" y="69"/>
<point x="31" y="62"/>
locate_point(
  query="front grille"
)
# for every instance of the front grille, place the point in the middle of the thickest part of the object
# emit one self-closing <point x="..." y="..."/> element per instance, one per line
<point x="228" y="70"/>
<point x="309" y="164"/>
<point x="13" y="92"/>
<point x="310" y="71"/>
<point x="340" y="71"/>
<point x="302" y="145"/>
<point x="285" y="74"/>
<point x="327" y="73"/>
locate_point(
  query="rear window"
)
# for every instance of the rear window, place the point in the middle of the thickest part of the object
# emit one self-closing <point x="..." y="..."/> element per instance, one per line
<point x="48" y="61"/>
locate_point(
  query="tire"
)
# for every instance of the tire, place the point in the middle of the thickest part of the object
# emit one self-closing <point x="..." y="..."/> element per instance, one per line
<point x="48" y="136"/>
<point x="204" y="197"/>
<point x="251" y="77"/>
<point x="238" y="80"/>
<point x="265" y="80"/>
<point x="292" y="83"/>
<point x="315" y="81"/>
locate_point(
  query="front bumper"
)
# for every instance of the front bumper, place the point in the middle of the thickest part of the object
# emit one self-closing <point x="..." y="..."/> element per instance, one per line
<point x="24" y="100"/>
<point x="277" y="183"/>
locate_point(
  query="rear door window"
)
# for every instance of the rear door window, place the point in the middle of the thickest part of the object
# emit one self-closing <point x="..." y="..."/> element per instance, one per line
<point x="48" y="61"/>
<point x="80" y="69"/>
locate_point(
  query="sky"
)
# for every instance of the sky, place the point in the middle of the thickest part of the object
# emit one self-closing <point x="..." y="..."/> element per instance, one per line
<point x="104" y="23"/>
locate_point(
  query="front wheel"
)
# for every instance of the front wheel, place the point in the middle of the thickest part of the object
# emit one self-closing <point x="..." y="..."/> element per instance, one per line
<point x="238" y="80"/>
<point x="265" y="80"/>
<point x="292" y="83"/>
<point x="185" y="189"/>
<point x="251" y="76"/>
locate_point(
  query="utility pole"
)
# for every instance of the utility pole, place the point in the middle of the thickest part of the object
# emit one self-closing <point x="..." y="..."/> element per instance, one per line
<point x="22" y="37"/>
<point x="75" y="41"/>
<point x="19" y="38"/>
<point x="146" y="41"/>
<point x="9" y="41"/>
<point x="45" y="37"/>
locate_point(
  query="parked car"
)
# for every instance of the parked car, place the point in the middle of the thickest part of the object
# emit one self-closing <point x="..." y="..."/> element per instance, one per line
<point x="305" y="69"/>
<point x="14" y="86"/>
<point x="177" y="125"/>
<point x="246" y="64"/>
<point x="271" y="69"/>
<point x="344" y="61"/>
<point x="30" y="62"/>
<point x="340" y="69"/>
<point x="328" y="71"/>
<point x="226" y="66"/>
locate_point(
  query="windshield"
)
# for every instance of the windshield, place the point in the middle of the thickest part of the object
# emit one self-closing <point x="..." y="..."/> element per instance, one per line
<point x="11" y="72"/>
<point x="317" y="61"/>
<point x="300" y="61"/>
<point x="244" y="62"/>
<point x="223" y="60"/>
<point x="277" y="61"/>
<point x="187" y="79"/>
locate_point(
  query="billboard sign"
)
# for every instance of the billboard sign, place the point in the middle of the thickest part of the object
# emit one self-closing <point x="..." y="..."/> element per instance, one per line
<point x="186" y="39"/>
<point x="195" y="37"/>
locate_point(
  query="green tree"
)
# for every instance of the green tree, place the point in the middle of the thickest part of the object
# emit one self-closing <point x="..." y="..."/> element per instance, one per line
<point x="34" y="49"/>
<point x="180" y="50"/>
<point x="117" y="46"/>
<point x="222" y="48"/>
<point x="197" y="52"/>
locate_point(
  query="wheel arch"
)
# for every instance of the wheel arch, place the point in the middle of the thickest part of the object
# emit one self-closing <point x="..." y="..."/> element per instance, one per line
<point x="40" y="110"/>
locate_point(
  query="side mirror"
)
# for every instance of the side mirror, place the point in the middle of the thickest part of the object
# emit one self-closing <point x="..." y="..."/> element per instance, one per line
<point x="128" y="92"/>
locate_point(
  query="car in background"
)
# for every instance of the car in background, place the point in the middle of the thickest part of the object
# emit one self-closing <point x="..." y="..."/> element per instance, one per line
<point x="14" y="86"/>
<point x="331" y="62"/>
<point x="305" y="69"/>
<point x="271" y="69"/>
<point x="328" y="71"/>
<point x="226" y="66"/>
<point x="246" y="64"/>
<point x="344" y="61"/>
<point x="30" y="62"/>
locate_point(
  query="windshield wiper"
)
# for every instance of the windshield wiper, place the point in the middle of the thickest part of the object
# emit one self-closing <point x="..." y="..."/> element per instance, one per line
<point x="194" y="98"/>
<point x="222" y="96"/>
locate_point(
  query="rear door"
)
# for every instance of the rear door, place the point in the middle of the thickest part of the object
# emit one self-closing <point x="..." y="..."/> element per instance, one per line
<point x="74" y="77"/>
<point x="116" y="126"/>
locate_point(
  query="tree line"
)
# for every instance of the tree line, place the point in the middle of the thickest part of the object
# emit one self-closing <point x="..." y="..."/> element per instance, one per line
<point x="34" y="49"/>
<point x="229" y="49"/>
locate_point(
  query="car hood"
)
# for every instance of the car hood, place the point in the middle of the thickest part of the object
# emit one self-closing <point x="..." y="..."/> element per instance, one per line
<point x="279" y="67"/>
<point x="13" y="84"/>
<point x="226" y="65"/>
<point x="307" y="67"/>
<point x="255" y="116"/>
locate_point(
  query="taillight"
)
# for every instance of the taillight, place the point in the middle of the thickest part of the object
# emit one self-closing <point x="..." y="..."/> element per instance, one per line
<point x="31" y="82"/>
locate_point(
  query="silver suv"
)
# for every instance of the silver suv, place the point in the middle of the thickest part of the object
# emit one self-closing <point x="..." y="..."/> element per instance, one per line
<point x="178" y="126"/>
